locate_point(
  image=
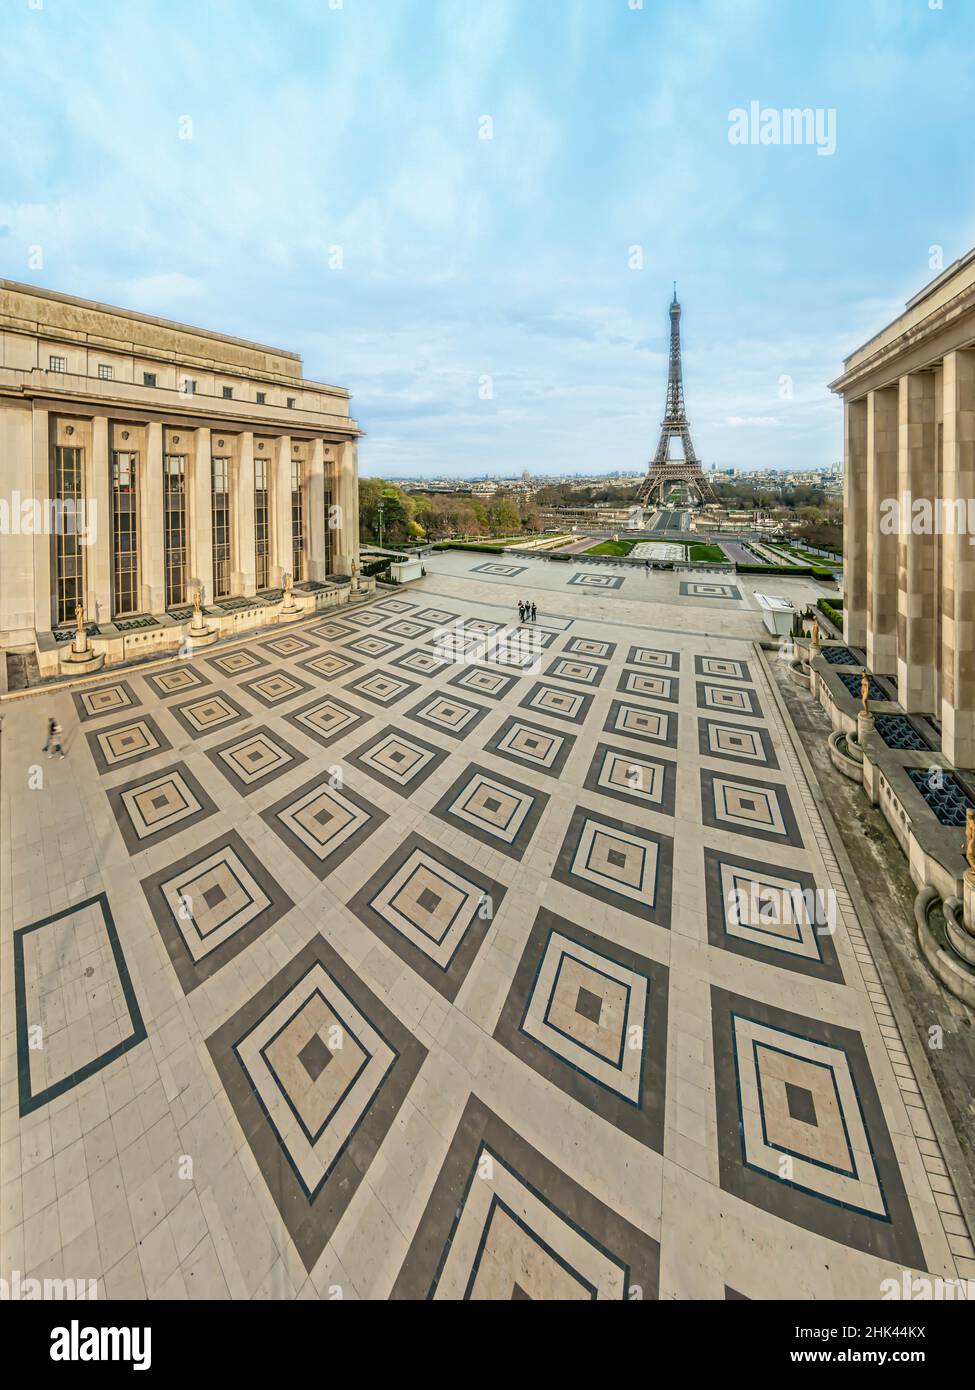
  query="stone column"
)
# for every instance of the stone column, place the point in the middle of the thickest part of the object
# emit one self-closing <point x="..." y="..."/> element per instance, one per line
<point x="44" y="575"/>
<point x="854" y="523"/>
<point x="958" y="562"/>
<point x="244" y="577"/>
<point x="199" y="518"/>
<point x="316" y="519"/>
<point x="280" y="503"/>
<point x="98" y="560"/>
<point x="152" y="563"/>
<point x="882" y="409"/>
<point x="917" y="480"/>
<point x="346" y="538"/>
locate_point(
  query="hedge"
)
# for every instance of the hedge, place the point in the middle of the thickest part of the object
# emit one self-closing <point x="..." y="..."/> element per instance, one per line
<point x="795" y="571"/>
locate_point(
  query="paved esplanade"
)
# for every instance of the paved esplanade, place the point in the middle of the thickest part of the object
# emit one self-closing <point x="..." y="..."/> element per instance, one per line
<point x="338" y="965"/>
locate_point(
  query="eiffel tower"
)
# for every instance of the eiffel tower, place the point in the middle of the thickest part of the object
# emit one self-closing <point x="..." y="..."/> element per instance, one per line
<point x="663" y="469"/>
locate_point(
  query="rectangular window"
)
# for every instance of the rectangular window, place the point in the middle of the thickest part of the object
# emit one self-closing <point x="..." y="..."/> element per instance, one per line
<point x="220" y="513"/>
<point x="189" y="386"/>
<point x="262" y="398"/>
<point x="125" y="535"/>
<point x="105" y="373"/>
<point x="261" y="524"/>
<point x="174" y="527"/>
<point x="148" y="378"/>
<point x="228" y="393"/>
<point x="67" y="489"/>
<point x="297" y="522"/>
<point x="57" y="364"/>
<point x="291" y="402"/>
<point x="329" y="524"/>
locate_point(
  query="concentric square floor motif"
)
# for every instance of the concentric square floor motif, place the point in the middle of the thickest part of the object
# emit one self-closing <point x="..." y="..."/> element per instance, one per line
<point x="728" y="699"/>
<point x="72" y="983"/>
<point x="771" y="914"/>
<point x="738" y="742"/>
<point x="589" y="646"/>
<point x="105" y="699"/>
<point x="276" y="689"/>
<point x="371" y="646"/>
<point x="158" y="805"/>
<point x="330" y="666"/>
<point x="395" y="605"/>
<point x="212" y="905"/>
<point x="801" y="1130"/>
<point x="252" y="760"/>
<point x="399" y="761"/>
<point x="546" y="750"/>
<point x="407" y="627"/>
<point x="128" y="742"/>
<point x="316" y="1068"/>
<point x="699" y="590"/>
<point x="330" y="631"/>
<point x="596" y="581"/>
<point x="368" y="617"/>
<point x="591" y="1017"/>
<point x="504" y="1223"/>
<point x="570" y="705"/>
<point x="239" y="663"/>
<point x="651" y="687"/>
<point x="634" y="777"/>
<point x="494" y="684"/>
<point x="420" y="661"/>
<point x="565" y="668"/>
<point x="177" y="681"/>
<point x="326" y="720"/>
<point x="636" y="721"/>
<point x="382" y="687"/>
<point x="500" y="571"/>
<point x="431" y="910"/>
<point x="319" y="821"/>
<point x="440" y="617"/>
<point x="624" y="865"/>
<point x="493" y="809"/>
<point x="289" y="644"/>
<point x="721" y="668"/>
<point x="207" y="713"/>
<point x="654" y="657"/>
<point x="483" y="627"/>
<point x="454" y="717"/>
<point x="746" y="807"/>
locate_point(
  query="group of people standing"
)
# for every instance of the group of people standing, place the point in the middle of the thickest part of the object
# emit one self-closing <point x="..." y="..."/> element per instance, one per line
<point x="527" y="612"/>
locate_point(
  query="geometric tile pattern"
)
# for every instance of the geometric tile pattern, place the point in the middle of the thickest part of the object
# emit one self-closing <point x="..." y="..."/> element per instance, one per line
<point x="211" y="905"/>
<point x="770" y="914"/>
<point x="624" y="865"/>
<point x="636" y="721"/>
<point x="329" y="666"/>
<point x="588" y="646"/>
<point x="76" y="1011"/>
<point x="431" y="910"/>
<point x="407" y="628"/>
<point x="502" y="571"/>
<point x="504" y="1223"/>
<point x="634" y="777"/>
<point x="456" y="718"/>
<point x="320" y="820"/>
<point x="105" y="699"/>
<point x="374" y="647"/>
<point x="239" y="663"/>
<point x="727" y="699"/>
<point x="546" y="750"/>
<point x="494" y="684"/>
<point x="399" y="761"/>
<point x="596" y="581"/>
<point x="252" y="760"/>
<point x="737" y="742"/>
<point x="591" y="1017"/>
<point x="650" y="687"/>
<point x="722" y="668"/>
<point x="569" y="705"/>
<point x="316" y="1068"/>
<point x="206" y="713"/>
<point x="710" y="591"/>
<point x="128" y="742"/>
<point x="329" y="631"/>
<point x="493" y="809"/>
<point x="583" y="672"/>
<point x="382" y="687"/>
<point x="176" y="682"/>
<point x="156" y="806"/>
<point x="740" y="804"/>
<point x="801" y="1132"/>
<point x="276" y="689"/>
<point x="424" y="663"/>
<point x="290" y="645"/>
<point x="653" y="656"/>
<point x="326" y="720"/>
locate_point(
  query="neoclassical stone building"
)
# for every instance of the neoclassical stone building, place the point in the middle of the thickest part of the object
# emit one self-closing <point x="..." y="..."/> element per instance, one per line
<point x="143" y="461"/>
<point x="909" y="505"/>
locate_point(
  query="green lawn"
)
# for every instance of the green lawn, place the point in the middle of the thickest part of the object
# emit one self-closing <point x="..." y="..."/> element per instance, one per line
<point x="712" y="553"/>
<point x="611" y="548"/>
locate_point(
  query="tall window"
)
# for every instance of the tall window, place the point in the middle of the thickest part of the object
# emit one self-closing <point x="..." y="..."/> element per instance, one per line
<point x="106" y="373"/>
<point x="69" y="555"/>
<point x="174" y="527"/>
<point x="297" y="523"/>
<point x="125" y="534"/>
<point x="329" y="522"/>
<point x="261" y="530"/>
<point x="220" y="511"/>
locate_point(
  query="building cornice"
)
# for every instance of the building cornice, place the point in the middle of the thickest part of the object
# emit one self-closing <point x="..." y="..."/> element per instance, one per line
<point x="924" y="343"/>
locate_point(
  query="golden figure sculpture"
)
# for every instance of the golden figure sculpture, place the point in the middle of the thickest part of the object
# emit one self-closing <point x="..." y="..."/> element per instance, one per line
<point x="970" y="838"/>
<point x="814" y="638"/>
<point x="197" y="604"/>
<point x="79" y="622"/>
<point x="865" y="692"/>
<point x="288" y="581"/>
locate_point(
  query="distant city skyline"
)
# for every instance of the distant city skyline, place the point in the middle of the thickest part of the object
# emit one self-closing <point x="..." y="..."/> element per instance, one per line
<point x="472" y="212"/>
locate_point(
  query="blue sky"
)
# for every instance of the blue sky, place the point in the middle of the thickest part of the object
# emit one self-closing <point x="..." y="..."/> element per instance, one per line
<point x="486" y="316"/>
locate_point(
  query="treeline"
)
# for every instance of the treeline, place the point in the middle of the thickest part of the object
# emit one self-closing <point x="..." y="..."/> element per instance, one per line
<point x="421" y="516"/>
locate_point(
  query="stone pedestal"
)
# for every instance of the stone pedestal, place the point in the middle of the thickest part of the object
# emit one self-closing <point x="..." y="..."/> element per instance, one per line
<point x="200" y="634"/>
<point x="81" y="661"/>
<point x="865" y="726"/>
<point x="969" y="901"/>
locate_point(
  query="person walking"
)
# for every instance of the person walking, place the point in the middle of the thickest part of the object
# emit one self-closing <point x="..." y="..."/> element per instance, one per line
<point x="521" y="611"/>
<point x="534" y="612"/>
<point x="53" y="744"/>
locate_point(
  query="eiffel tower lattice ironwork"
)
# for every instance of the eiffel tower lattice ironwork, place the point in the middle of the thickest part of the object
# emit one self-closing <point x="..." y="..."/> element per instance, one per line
<point x="664" y="470"/>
